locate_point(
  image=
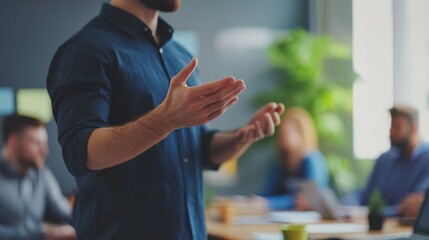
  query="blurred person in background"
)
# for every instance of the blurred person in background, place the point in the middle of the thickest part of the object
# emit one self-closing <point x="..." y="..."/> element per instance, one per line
<point x="298" y="160"/>
<point x="29" y="193"/>
<point x="402" y="173"/>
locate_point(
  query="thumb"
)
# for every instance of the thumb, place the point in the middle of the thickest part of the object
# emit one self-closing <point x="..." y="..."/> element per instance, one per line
<point x="181" y="78"/>
<point x="270" y="107"/>
<point x="280" y="108"/>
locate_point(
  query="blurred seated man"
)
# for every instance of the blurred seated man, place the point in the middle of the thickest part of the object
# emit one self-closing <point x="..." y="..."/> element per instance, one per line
<point x="402" y="173"/>
<point x="299" y="160"/>
<point x="30" y="195"/>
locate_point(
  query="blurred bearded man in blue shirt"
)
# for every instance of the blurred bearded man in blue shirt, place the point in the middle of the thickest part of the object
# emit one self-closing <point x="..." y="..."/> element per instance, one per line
<point x="402" y="173"/>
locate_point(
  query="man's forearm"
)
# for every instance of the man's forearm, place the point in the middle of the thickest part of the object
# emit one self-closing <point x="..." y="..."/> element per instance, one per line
<point x="226" y="146"/>
<point x="111" y="146"/>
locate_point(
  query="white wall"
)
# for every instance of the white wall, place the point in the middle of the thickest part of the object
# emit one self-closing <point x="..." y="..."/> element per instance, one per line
<point x="411" y="59"/>
<point x="373" y="90"/>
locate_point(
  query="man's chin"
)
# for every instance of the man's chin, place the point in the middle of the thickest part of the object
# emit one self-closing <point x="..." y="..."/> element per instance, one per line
<point x="401" y="147"/>
<point x="162" y="5"/>
<point x="31" y="165"/>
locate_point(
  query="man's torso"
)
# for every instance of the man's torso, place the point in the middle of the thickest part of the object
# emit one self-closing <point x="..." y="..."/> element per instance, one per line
<point x="157" y="195"/>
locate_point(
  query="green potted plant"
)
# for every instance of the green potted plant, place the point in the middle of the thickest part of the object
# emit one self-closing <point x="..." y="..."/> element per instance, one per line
<point x="376" y="211"/>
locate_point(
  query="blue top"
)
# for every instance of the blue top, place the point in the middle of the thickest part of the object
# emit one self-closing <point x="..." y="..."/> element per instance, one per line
<point x="108" y="74"/>
<point x="280" y="189"/>
<point x="396" y="176"/>
<point x="27" y="201"/>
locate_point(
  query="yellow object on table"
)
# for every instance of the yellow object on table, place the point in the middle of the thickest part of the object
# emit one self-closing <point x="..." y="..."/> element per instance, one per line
<point x="294" y="232"/>
<point x="226" y="212"/>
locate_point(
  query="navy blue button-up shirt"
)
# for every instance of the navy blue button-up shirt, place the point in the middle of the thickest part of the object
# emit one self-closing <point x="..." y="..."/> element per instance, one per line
<point x="109" y="73"/>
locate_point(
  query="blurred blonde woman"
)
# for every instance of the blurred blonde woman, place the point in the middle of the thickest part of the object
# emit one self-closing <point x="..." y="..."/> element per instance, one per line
<point x="298" y="159"/>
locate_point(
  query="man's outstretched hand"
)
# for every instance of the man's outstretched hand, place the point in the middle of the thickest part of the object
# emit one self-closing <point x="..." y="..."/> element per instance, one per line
<point x="262" y="124"/>
<point x="191" y="106"/>
<point x="231" y="145"/>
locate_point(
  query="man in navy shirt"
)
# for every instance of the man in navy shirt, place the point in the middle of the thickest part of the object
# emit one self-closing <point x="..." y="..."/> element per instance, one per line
<point x="402" y="173"/>
<point x="131" y="114"/>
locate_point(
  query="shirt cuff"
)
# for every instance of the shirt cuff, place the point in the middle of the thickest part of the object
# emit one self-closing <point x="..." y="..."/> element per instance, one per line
<point x="206" y="154"/>
<point x="75" y="152"/>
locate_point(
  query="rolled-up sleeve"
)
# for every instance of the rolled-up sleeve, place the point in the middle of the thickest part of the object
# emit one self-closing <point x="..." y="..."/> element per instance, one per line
<point x="80" y="90"/>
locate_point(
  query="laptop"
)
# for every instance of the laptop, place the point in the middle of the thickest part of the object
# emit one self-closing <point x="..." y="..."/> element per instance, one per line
<point x="323" y="201"/>
<point x="421" y="226"/>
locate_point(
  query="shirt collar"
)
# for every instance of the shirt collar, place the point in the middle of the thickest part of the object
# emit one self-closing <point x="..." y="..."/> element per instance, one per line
<point x="420" y="149"/>
<point x="7" y="169"/>
<point x="133" y="25"/>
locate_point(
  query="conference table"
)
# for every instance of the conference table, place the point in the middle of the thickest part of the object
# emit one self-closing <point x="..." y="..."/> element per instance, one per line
<point x="249" y="231"/>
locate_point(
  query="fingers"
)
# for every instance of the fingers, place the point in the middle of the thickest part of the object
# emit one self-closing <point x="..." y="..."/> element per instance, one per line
<point x="219" y="112"/>
<point x="211" y="87"/>
<point x="257" y="130"/>
<point x="275" y="116"/>
<point x="274" y="109"/>
<point x="209" y="109"/>
<point x="270" y="107"/>
<point x="228" y="92"/>
<point x="221" y="98"/>
<point x="181" y="78"/>
<point x="262" y="129"/>
<point x="280" y="108"/>
<point x="277" y="112"/>
<point x="269" y="125"/>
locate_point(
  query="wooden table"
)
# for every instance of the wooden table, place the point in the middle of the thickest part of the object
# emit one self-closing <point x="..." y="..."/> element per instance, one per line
<point x="244" y="232"/>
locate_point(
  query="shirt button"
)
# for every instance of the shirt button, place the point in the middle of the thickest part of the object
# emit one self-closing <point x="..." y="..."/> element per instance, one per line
<point x="186" y="160"/>
<point x="161" y="50"/>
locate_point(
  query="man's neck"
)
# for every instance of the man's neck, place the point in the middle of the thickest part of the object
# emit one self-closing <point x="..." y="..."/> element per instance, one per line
<point x="413" y="145"/>
<point x="145" y="14"/>
<point x="5" y="153"/>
